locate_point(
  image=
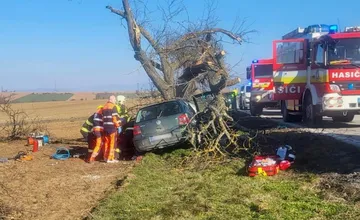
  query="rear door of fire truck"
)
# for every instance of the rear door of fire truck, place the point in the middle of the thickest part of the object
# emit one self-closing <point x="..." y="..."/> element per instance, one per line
<point x="290" y="74"/>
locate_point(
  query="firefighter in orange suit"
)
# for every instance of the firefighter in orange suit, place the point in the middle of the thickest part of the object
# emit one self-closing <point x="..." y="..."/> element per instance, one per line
<point x="98" y="133"/>
<point x="111" y="124"/>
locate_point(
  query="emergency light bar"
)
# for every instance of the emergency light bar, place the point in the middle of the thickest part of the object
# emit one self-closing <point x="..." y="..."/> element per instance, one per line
<point x="352" y="29"/>
<point x="311" y="31"/>
<point x="255" y="61"/>
<point x="333" y="29"/>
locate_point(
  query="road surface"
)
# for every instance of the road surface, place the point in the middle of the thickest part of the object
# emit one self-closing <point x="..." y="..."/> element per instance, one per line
<point x="348" y="132"/>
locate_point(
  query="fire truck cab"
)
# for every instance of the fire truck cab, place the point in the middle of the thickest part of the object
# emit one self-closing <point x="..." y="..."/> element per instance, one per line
<point x="260" y="75"/>
<point x="316" y="73"/>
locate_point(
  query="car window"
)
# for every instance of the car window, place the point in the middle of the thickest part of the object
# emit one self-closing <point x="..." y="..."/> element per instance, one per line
<point x="203" y="100"/>
<point x="248" y="88"/>
<point x="190" y="108"/>
<point x="158" y="111"/>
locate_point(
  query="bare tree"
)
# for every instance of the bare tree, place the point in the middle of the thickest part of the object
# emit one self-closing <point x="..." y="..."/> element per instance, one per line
<point x="16" y="124"/>
<point x="183" y="58"/>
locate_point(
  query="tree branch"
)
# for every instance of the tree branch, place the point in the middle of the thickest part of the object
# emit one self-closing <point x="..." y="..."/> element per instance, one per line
<point x="193" y="35"/>
<point x="164" y="66"/>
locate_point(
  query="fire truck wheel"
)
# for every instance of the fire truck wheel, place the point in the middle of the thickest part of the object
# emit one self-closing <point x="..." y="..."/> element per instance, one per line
<point x="289" y="117"/>
<point x="255" y="110"/>
<point x="310" y="117"/>
<point x="347" y="118"/>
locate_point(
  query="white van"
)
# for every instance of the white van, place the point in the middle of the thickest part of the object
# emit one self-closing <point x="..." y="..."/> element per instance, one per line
<point x="244" y="100"/>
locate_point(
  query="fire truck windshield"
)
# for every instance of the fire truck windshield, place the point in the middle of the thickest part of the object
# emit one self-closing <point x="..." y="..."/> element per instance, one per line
<point x="344" y="51"/>
<point x="263" y="71"/>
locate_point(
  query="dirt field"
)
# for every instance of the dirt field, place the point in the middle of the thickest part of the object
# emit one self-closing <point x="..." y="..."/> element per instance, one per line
<point x="46" y="188"/>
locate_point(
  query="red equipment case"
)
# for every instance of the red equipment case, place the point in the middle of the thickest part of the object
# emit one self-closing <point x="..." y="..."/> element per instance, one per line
<point x="264" y="170"/>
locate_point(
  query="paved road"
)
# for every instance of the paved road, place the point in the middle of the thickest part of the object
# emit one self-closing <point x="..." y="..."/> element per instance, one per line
<point x="348" y="132"/>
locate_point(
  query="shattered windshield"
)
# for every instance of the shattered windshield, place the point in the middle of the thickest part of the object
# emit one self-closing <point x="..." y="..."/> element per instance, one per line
<point x="344" y="51"/>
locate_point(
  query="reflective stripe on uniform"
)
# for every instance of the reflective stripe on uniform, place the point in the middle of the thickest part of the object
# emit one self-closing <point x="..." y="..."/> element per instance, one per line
<point x="98" y="128"/>
<point x="85" y="129"/>
<point x="89" y="123"/>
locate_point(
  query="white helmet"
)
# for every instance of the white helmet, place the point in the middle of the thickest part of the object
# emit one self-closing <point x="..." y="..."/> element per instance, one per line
<point x="120" y="99"/>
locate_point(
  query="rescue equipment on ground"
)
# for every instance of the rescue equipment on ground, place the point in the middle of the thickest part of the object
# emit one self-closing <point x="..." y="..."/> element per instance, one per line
<point x="286" y="153"/>
<point x="35" y="146"/>
<point x="269" y="165"/>
<point x="264" y="166"/>
<point x="40" y="138"/>
<point x="61" y="153"/>
<point x="22" y="156"/>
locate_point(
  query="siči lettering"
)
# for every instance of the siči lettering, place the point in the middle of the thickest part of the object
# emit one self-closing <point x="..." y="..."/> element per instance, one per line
<point x="289" y="89"/>
<point x="339" y="75"/>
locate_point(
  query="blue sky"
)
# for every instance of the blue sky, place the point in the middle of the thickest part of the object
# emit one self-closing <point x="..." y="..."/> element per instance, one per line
<point x="81" y="45"/>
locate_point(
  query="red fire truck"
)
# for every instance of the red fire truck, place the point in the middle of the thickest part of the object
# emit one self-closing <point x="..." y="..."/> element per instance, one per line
<point x="260" y="74"/>
<point x="316" y="73"/>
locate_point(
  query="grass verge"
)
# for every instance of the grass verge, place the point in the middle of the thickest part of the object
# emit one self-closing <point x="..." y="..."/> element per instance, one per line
<point x="159" y="189"/>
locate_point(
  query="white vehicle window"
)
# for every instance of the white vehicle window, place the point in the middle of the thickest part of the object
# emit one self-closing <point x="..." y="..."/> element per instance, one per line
<point x="319" y="55"/>
<point x="192" y="107"/>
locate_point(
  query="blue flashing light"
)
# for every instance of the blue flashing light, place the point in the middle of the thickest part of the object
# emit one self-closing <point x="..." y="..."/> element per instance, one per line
<point x="249" y="84"/>
<point x="255" y="61"/>
<point x="333" y="29"/>
<point x="351" y="86"/>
